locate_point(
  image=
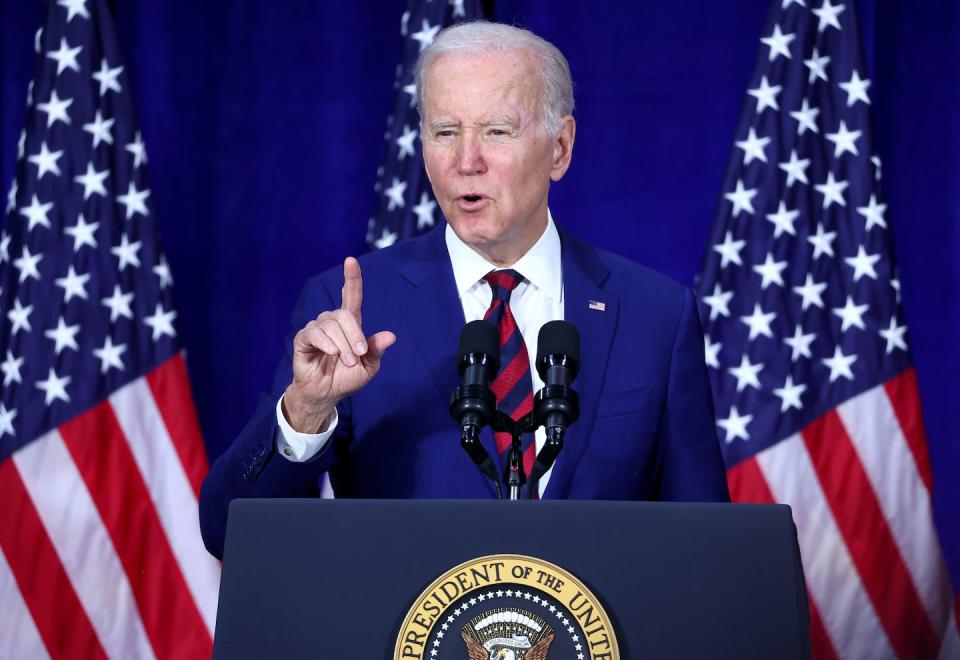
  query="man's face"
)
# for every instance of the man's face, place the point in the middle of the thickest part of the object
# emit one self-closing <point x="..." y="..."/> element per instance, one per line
<point x="485" y="155"/>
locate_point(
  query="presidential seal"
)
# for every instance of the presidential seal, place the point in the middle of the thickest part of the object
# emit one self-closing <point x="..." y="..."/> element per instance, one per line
<point x="506" y="607"/>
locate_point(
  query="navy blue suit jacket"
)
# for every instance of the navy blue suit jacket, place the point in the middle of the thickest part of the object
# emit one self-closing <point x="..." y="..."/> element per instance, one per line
<point x="646" y="429"/>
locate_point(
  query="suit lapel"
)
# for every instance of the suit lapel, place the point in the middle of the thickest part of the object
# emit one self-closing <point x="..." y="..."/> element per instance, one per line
<point x="594" y="312"/>
<point x="427" y="295"/>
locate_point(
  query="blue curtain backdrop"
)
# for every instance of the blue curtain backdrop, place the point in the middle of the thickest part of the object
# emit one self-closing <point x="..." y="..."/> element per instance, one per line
<point x="264" y="121"/>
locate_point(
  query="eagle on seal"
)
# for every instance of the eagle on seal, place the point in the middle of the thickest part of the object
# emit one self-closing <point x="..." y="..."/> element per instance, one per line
<point x="476" y="651"/>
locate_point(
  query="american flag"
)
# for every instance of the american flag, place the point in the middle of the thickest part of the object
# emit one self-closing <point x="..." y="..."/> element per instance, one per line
<point x="101" y="457"/>
<point x="405" y="205"/>
<point x="816" y="395"/>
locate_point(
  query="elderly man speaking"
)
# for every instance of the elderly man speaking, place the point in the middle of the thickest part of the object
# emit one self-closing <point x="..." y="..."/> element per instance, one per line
<point x="371" y="408"/>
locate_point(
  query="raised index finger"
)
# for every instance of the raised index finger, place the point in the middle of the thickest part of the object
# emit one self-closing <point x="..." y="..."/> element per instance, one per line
<point x="352" y="287"/>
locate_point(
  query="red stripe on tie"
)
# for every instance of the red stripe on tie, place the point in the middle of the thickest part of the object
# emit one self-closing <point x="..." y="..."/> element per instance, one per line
<point x="170" y="617"/>
<point x="493" y="308"/>
<point x="56" y="611"/>
<point x="868" y="538"/>
<point x="904" y="396"/>
<point x="170" y="386"/>
<point x="747" y="483"/>
<point x="820" y="645"/>
<point x="510" y="375"/>
<point x="507" y="328"/>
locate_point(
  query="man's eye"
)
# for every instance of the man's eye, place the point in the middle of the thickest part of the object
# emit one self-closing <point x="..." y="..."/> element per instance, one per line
<point x="498" y="132"/>
<point x="444" y="133"/>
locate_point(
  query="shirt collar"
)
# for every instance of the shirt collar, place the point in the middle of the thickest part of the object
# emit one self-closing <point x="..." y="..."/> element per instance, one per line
<point x="540" y="265"/>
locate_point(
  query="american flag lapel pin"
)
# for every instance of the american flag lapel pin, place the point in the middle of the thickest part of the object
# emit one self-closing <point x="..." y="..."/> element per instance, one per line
<point x="597" y="305"/>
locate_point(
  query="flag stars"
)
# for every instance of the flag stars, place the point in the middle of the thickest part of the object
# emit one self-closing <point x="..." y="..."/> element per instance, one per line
<point x="783" y="220"/>
<point x="109" y="355"/>
<point x="54" y="387"/>
<point x="796" y="169"/>
<point x="126" y="253"/>
<point x="711" y="352"/>
<point x="832" y="191"/>
<point x="395" y="194"/>
<point x="36" y="213"/>
<point x="6" y="420"/>
<point x="161" y="322"/>
<point x="729" y="250"/>
<point x="107" y="77"/>
<point x="424" y="211"/>
<point x="799" y="344"/>
<point x="817" y="65"/>
<point x="65" y="57"/>
<point x="135" y="201"/>
<point x="411" y="91"/>
<point x="735" y="425"/>
<point x="82" y="233"/>
<point x="55" y="109"/>
<point x="99" y="128"/>
<point x="790" y="394"/>
<point x="73" y="285"/>
<point x="46" y="161"/>
<point x="138" y="150"/>
<point x="856" y="89"/>
<point x="63" y="336"/>
<point x="770" y="271"/>
<point x="162" y="270"/>
<point x="828" y="15"/>
<point x="405" y="143"/>
<point x="746" y="373"/>
<point x="119" y="304"/>
<point x="811" y="292"/>
<point x="806" y="118"/>
<point x="75" y="8"/>
<point x="12" y="196"/>
<point x="4" y="247"/>
<point x="11" y="369"/>
<point x="387" y="238"/>
<point x="742" y="198"/>
<point x="840" y="364"/>
<point x="779" y="43"/>
<point x="893" y="334"/>
<point x="426" y="34"/>
<point x="20" y="318"/>
<point x="863" y="264"/>
<point x="759" y="322"/>
<point x="822" y="242"/>
<point x="766" y="95"/>
<point x="873" y="212"/>
<point x="851" y="315"/>
<point x="92" y="182"/>
<point x="844" y="140"/>
<point x="753" y="147"/>
<point x="27" y="263"/>
<point x="718" y="301"/>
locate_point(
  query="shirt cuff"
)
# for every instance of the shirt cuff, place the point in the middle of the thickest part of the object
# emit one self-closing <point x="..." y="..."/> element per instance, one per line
<point x="301" y="447"/>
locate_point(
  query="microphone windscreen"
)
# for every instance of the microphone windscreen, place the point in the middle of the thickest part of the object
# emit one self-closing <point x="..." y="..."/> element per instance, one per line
<point x="558" y="338"/>
<point x="480" y="337"/>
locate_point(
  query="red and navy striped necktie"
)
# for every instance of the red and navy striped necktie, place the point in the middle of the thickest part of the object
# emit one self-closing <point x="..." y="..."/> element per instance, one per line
<point x="513" y="386"/>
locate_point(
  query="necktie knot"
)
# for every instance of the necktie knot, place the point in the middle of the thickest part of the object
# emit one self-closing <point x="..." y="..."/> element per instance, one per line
<point x="502" y="283"/>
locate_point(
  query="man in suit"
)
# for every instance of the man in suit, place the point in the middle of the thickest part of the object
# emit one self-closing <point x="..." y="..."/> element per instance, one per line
<point x="372" y="410"/>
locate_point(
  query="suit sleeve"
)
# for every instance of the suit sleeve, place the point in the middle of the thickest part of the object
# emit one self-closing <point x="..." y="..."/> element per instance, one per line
<point x="250" y="467"/>
<point x="692" y="466"/>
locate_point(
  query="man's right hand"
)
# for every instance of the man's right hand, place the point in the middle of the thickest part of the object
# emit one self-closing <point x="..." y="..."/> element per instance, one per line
<point x="332" y="358"/>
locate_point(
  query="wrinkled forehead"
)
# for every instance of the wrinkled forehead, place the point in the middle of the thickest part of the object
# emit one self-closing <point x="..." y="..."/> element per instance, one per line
<point x="479" y="86"/>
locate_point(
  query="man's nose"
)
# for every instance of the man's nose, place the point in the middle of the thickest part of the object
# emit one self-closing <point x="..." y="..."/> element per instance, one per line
<point x="470" y="159"/>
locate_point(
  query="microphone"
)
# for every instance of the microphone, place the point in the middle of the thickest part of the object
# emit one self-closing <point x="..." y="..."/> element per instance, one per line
<point x="472" y="404"/>
<point x="556" y="406"/>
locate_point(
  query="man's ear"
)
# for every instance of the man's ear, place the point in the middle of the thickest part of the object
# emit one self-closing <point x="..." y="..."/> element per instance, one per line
<point x="563" y="148"/>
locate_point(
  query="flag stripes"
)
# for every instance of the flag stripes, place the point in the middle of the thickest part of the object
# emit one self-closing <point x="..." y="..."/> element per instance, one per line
<point x="104" y="552"/>
<point x="168" y="612"/>
<point x="170" y="492"/>
<point x="16" y="625"/>
<point x="170" y="388"/>
<point x="904" y="395"/>
<point x="866" y="567"/>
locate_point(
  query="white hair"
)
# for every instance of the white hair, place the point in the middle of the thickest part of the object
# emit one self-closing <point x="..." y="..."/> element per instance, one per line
<point x="479" y="37"/>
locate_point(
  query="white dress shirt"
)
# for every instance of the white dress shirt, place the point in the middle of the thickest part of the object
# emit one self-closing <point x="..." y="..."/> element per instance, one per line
<point x="536" y="300"/>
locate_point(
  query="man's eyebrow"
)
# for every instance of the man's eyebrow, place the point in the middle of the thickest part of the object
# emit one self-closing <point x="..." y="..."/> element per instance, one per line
<point x="443" y="123"/>
<point x="499" y="121"/>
